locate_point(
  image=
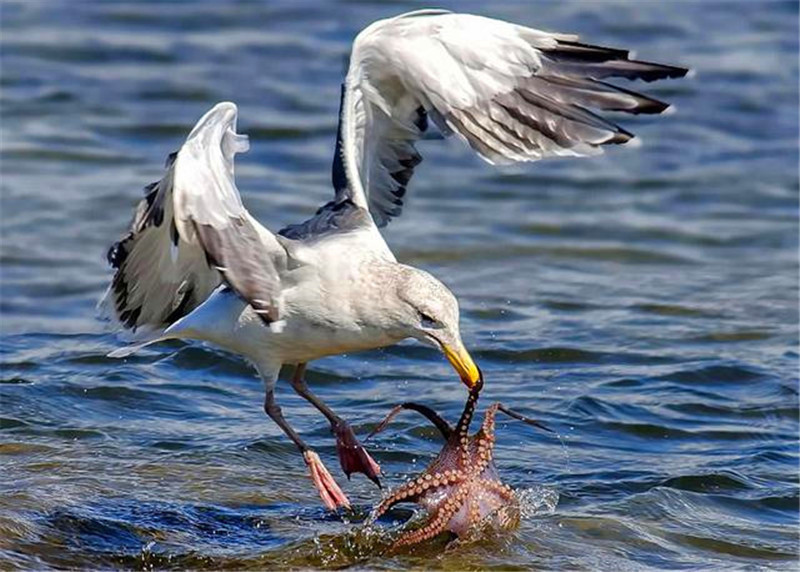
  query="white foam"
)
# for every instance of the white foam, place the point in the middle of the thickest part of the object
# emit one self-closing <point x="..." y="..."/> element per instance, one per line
<point x="537" y="501"/>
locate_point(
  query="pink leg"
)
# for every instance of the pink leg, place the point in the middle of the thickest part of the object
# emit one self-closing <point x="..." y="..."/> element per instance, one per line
<point x="352" y="455"/>
<point x="332" y="496"/>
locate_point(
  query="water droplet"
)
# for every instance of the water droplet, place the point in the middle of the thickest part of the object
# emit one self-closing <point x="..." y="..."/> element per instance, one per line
<point x="537" y="501"/>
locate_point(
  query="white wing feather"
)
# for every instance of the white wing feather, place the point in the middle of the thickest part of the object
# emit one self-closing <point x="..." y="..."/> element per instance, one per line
<point x="512" y="93"/>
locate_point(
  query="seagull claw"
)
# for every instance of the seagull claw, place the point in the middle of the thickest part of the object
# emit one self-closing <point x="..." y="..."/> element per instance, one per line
<point x="352" y="455"/>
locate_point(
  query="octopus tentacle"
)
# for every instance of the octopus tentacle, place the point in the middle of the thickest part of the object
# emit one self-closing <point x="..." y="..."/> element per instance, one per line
<point x="438" y="523"/>
<point x="412" y="490"/>
<point x="502" y="490"/>
<point x="441" y="424"/>
<point x="501" y="505"/>
<point x="513" y="414"/>
<point x="474" y="510"/>
<point x="483" y="442"/>
<point x="487" y="427"/>
<point x="461" y="432"/>
<point x="407" y="492"/>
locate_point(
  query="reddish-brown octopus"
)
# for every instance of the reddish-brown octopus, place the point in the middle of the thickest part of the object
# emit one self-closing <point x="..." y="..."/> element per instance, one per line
<point x="461" y="488"/>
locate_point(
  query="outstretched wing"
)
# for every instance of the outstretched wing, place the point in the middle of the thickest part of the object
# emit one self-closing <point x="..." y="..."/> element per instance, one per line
<point x="513" y="93"/>
<point x="190" y="232"/>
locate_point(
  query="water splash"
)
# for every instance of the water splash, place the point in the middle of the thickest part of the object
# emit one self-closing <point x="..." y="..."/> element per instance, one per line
<point x="357" y="545"/>
<point x="537" y="501"/>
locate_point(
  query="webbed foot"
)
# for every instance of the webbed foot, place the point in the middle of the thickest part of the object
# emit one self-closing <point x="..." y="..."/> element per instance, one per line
<point x="329" y="491"/>
<point x="352" y="454"/>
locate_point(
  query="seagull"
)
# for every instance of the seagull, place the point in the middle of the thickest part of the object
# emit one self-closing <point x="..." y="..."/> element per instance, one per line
<point x="196" y="265"/>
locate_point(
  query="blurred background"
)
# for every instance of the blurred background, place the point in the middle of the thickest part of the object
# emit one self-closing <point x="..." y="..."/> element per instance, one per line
<point x="643" y="303"/>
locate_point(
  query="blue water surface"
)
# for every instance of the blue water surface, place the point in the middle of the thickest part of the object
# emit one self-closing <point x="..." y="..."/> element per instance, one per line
<point x="644" y="304"/>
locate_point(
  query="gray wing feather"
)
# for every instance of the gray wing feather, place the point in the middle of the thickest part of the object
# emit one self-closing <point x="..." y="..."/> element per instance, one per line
<point x="237" y="251"/>
<point x="191" y="232"/>
<point x="340" y="215"/>
<point x="158" y="277"/>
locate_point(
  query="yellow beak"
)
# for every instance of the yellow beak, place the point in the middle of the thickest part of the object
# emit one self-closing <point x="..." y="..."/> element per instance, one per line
<point x="462" y="362"/>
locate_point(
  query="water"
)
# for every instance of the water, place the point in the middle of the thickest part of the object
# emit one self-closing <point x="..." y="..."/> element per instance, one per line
<point x="643" y="304"/>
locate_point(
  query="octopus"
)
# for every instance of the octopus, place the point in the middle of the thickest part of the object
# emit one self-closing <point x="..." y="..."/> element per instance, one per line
<point x="461" y="488"/>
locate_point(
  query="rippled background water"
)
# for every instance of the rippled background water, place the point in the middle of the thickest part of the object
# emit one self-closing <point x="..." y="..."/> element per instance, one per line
<point x="643" y="303"/>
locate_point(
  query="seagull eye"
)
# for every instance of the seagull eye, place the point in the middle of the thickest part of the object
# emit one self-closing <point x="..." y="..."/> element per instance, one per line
<point x="427" y="322"/>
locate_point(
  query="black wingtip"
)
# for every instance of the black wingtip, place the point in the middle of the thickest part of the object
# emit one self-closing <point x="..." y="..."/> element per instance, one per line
<point x="650" y="107"/>
<point x="587" y="52"/>
<point x="599" y="62"/>
<point x="619" y="137"/>
<point x="655" y="72"/>
<point x="644" y="103"/>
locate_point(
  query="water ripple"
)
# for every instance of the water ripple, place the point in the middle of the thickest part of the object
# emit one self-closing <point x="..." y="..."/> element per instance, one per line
<point x="642" y="304"/>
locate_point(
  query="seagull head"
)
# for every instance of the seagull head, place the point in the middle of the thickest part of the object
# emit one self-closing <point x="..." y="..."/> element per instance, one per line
<point x="429" y="313"/>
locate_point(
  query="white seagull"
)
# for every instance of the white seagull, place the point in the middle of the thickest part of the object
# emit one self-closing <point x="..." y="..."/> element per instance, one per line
<point x="195" y="265"/>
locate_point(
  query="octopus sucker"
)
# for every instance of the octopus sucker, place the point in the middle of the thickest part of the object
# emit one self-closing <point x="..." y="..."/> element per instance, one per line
<point x="460" y="488"/>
